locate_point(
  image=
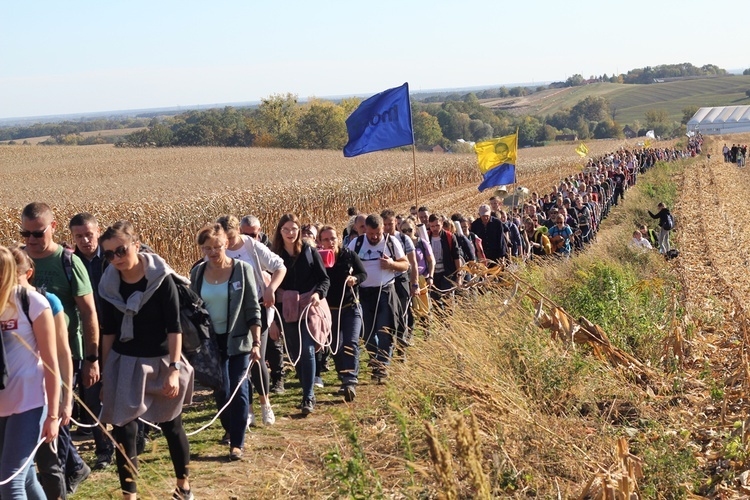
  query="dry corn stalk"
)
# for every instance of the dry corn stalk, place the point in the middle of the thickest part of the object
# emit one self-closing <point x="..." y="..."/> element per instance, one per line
<point x="620" y="482"/>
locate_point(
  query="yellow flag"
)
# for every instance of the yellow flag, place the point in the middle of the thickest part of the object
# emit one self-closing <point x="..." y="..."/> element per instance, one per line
<point x="495" y="152"/>
<point x="582" y="150"/>
<point x="647" y="143"/>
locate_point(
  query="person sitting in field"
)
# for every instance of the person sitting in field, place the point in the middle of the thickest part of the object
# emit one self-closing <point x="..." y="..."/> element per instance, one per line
<point x="640" y="242"/>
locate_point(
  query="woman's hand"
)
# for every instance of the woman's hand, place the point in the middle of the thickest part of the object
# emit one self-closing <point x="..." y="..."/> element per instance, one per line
<point x="255" y="354"/>
<point x="65" y="413"/>
<point x="171" y="387"/>
<point x="351" y="281"/>
<point x="50" y="429"/>
<point x="315" y="300"/>
<point x="268" y="297"/>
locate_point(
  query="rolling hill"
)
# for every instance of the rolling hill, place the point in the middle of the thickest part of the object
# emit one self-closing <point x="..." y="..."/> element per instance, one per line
<point x="630" y="102"/>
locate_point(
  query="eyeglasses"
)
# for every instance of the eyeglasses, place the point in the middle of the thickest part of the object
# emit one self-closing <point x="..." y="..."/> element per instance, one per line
<point x="120" y="252"/>
<point x="35" y="234"/>
<point x="407" y="231"/>
<point x="208" y="248"/>
<point x="287" y="230"/>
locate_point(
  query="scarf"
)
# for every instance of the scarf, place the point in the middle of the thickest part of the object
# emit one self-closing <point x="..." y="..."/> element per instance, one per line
<point x="109" y="289"/>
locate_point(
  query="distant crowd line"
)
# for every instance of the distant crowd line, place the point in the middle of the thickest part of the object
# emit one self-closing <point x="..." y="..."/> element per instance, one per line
<point x="105" y="314"/>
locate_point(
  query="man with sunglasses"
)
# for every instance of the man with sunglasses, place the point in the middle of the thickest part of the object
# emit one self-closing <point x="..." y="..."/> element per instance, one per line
<point x="250" y="226"/>
<point x="85" y="231"/>
<point x="69" y="280"/>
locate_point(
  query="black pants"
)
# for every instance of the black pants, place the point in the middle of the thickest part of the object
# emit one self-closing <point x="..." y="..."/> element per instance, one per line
<point x="179" y="450"/>
<point x="405" y="317"/>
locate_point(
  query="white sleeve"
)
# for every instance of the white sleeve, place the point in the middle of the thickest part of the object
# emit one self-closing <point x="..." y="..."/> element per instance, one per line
<point x="268" y="260"/>
<point x="37" y="304"/>
<point x="398" y="249"/>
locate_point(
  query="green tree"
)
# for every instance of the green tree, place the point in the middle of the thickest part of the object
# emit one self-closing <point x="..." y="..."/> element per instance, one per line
<point x="574" y="81"/>
<point x="591" y="108"/>
<point x="322" y="126"/>
<point x="427" y="130"/>
<point x="518" y="91"/>
<point x="279" y="114"/>
<point x="656" y="118"/>
<point x="746" y="72"/>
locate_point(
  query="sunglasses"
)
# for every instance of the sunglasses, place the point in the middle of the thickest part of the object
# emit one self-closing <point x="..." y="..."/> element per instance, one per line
<point x="120" y="252"/>
<point x="252" y="235"/>
<point x="407" y="231"/>
<point x="35" y="234"/>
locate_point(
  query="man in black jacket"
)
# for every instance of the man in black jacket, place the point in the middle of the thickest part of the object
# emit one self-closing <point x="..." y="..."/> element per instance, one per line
<point x="494" y="235"/>
<point x="447" y="259"/>
<point x="665" y="226"/>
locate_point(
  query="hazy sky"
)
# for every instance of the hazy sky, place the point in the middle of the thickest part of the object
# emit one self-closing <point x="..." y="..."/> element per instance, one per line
<point x="85" y="56"/>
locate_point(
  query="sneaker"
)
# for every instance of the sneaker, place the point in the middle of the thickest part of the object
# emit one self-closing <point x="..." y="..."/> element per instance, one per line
<point x="180" y="494"/>
<point x="349" y="393"/>
<point x="75" y="479"/>
<point x="250" y="419"/>
<point x="235" y="454"/>
<point x="307" y="406"/>
<point x="266" y="414"/>
<point x="318" y="382"/>
<point x="278" y="387"/>
<point x="103" y="460"/>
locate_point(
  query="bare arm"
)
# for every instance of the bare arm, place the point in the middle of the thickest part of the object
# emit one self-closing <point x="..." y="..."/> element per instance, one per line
<point x="90" y="324"/>
<point x="276" y="278"/>
<point x="44" y="332"/>
<point x="171" y="387"/>
<point x="65" y="362"/>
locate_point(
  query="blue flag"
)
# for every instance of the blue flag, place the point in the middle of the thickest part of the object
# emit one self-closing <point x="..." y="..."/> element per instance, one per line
<point x="381" y="122"/>
<point x="499" y="176"/>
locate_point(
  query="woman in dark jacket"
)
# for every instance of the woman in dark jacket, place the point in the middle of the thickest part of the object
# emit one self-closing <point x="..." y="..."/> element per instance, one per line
<point x="665" y="226"/>
<point x="306" y="282"/>
<point x="227" y="286"/>
<point x="346" y="275"/>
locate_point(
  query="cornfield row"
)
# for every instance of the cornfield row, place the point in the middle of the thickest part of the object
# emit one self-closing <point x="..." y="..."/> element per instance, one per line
<point x="169" y="193"/>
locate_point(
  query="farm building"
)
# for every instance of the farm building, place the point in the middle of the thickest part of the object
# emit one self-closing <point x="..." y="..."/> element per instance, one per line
<point x="720" y="120"/>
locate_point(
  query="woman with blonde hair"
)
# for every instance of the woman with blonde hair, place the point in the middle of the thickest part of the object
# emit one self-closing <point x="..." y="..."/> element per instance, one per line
<point x="29" y="401"/>
<point x="227" y="287"/>
<point x="144" y="374"/>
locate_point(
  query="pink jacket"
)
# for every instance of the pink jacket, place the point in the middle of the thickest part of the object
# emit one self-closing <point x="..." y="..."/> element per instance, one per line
<point x="319" y="320"/>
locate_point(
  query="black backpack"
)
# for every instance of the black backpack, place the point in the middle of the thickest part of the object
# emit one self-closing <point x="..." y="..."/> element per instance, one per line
<point x="194" y="318"/>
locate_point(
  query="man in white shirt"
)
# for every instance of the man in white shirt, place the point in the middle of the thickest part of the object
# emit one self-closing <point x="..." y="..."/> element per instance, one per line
<point x="383" y="258"/>
<point x="640" y="242"/>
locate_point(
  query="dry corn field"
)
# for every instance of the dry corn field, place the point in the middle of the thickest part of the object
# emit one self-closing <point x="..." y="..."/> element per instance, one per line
<point x="169" y="193"/>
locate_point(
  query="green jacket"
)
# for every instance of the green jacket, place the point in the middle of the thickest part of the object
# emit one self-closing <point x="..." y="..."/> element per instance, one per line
<point x="244" y="307"/>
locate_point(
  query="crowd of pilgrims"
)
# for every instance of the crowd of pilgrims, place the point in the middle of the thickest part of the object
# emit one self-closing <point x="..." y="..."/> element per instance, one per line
<point x="103" y="314"/>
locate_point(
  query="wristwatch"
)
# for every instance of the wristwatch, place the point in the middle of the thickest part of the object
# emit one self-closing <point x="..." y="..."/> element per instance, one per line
<point x="177" y="365"/>
<point x="256" y="343"/>
<point x="92" y="358"/>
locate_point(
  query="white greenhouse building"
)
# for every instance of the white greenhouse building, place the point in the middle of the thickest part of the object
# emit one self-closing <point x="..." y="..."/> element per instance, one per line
<point x="720" y="120"/>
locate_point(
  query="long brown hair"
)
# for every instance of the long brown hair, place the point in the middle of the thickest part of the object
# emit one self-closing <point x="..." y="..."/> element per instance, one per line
<point x="278" y="239"/>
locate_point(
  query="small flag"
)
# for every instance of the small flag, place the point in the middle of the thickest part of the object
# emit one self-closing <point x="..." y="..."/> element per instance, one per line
<point x="582" y="150"/>
<point x="381" y="122"/>
<point x="497" y="161"/>
<point x="647" y="143"/>
<point x="650" y="134"/>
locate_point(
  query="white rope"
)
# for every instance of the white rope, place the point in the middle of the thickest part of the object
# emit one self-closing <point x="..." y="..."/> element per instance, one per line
<point x="28" y="461"/>
<point x="206" y="426"/>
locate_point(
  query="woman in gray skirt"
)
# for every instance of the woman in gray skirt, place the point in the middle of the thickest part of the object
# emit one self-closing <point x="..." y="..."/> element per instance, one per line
<point x="143" y="375"/>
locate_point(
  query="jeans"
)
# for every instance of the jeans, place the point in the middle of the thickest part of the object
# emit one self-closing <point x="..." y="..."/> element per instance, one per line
<point x="234" y="418"/>
<point x="405" y="321"/>
<point x="19" y="434"/>
<point x="305" y="352"/>
<point x="55" y="468"/>
<point x="378" y="317"/>
<point x="346" y="338"/>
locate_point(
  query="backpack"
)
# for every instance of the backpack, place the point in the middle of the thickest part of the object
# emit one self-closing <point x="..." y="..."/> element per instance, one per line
<point x="669" y="223"/>
<point x="194" y="318"/>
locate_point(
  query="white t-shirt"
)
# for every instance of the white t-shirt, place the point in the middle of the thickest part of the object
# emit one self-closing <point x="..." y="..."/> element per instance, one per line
<point x="25" y="389"/>
<point x="370" y="257"/>
<point x="437" y="252"/>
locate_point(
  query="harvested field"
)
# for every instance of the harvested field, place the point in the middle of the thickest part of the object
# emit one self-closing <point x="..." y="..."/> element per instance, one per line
<point x="172" y="191"/>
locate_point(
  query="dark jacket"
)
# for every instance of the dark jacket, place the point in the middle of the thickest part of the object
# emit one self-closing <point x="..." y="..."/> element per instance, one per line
<point x="449" y="243"/>
<point x="347" y="264"/>
<point x="493" y="237"/>
<point x="662" y="215"/>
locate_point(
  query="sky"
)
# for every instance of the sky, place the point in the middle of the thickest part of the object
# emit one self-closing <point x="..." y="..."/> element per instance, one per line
<point x="93" y="56"/>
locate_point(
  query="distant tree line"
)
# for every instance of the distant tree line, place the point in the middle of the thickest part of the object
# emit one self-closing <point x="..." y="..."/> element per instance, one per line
<point x="68" y="127"/>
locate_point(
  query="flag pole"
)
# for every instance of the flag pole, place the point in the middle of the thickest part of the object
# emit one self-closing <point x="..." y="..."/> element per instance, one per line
<point x="515" y="177"/>
<point x="414" y="158"/>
